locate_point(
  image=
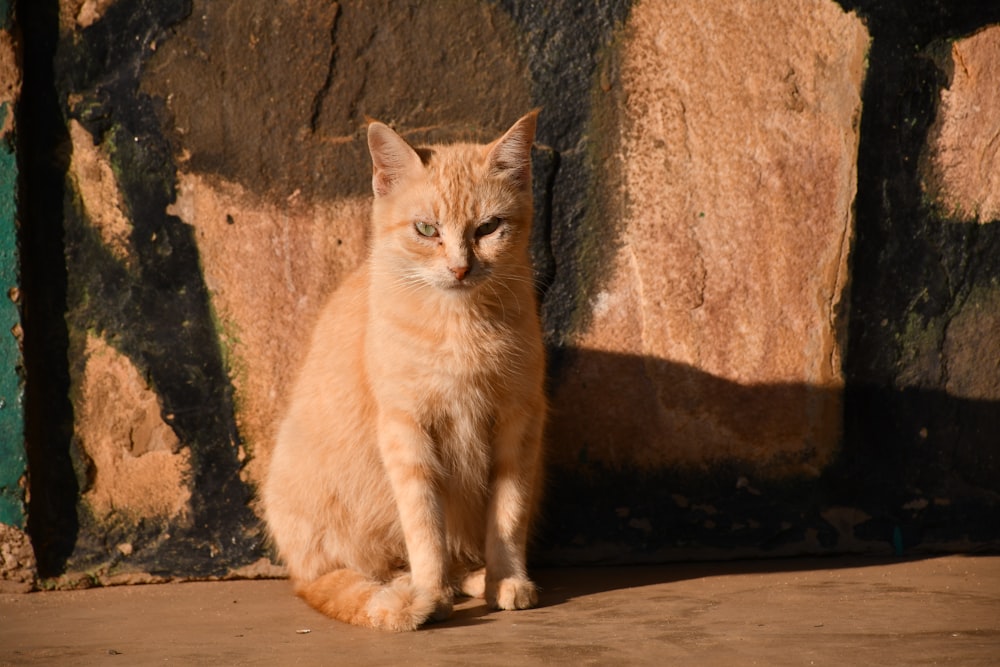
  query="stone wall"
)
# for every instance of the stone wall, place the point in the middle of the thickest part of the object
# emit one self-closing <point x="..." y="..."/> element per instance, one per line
<point x="765" y="242"/>
<point x="717" y="315"/>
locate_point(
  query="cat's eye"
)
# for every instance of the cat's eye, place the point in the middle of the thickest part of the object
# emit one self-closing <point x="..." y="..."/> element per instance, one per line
<point x="488" y="227"/>
<point x="426" y="229"/>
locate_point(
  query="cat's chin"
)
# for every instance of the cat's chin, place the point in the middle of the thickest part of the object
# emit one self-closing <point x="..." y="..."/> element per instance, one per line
<point x="467" y="286"/>
<point x="459" y="288"/>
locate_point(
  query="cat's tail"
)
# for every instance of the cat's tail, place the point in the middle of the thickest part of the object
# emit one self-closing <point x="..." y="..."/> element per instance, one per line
<point x="351" y="597"/>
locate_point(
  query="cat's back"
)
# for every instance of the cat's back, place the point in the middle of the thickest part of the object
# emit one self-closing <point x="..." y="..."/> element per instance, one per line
<point x="331" y="384"/>
<point x="338" y="338"/>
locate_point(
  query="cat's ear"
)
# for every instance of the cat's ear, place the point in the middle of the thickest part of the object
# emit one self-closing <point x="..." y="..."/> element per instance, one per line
<point x="392" y="158"/>
<point x="510" y="155"/>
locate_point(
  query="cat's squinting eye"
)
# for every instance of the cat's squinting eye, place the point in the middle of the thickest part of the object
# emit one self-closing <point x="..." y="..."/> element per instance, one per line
<point x="426" y="229"/>
<point x="488" y="227"/>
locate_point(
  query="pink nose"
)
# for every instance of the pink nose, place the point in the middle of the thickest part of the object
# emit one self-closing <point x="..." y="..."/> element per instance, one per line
<point x="459" y="271"/>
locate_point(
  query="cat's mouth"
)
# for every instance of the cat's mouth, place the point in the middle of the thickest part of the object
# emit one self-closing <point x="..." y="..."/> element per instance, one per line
<point x="462" y="285"/>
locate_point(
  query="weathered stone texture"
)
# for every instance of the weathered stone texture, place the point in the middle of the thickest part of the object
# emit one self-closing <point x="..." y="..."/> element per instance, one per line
<point x="82" y="13"/>
<point x="971" y="349"/>
<point x="268" y="266"/>
<point x="244" y="86"/>
<point x="719" y="322"/>
<point x="138" y="469"/>
<point x="17" y="560"/>
<point x="100" y="197"/>
<point x="10" y="73"/>
<point x="962" y="160"/>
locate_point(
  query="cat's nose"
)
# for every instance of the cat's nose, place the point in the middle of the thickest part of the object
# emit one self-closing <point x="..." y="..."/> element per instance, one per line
<point x="459" y="271"/>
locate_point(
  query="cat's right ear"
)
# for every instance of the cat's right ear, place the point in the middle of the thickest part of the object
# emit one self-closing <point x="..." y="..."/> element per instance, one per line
<point x="392" y="158"/>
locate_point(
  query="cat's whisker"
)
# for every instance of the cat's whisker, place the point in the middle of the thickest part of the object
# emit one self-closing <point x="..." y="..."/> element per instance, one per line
<point x="402" y="282"/>
<point x="517" y="301"/>
<point x="496" y="295"/>
<point x="518" y="278"/>
<point x="411" y="283"/>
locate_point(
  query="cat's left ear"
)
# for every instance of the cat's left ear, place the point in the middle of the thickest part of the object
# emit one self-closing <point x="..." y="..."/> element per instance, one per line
<point x="510" y="155"/>
<point x="392" y="158"/>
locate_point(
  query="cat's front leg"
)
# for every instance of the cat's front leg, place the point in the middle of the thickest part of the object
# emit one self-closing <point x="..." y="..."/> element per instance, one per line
<point x="516" y="475"/>
<point x="409" y="459"/>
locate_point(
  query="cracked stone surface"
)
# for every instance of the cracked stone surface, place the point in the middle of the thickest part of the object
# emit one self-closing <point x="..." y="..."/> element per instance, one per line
<point x="139" y="470"/>
<point x="972" y="369"/>
<point x="246" y="88"/>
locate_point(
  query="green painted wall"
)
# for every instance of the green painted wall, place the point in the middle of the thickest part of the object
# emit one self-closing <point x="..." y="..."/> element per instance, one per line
<point x="12" y="455"/>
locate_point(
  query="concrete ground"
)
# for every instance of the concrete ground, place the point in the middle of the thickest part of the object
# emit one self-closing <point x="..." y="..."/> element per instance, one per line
<point x="836" y="611"/>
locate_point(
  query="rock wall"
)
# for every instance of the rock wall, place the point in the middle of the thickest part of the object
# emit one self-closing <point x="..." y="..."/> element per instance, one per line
<point x="921" y="407"/>
<point x="764" y="243"/>
<point x="718" y="315"/>
<point x="962" y="157"/>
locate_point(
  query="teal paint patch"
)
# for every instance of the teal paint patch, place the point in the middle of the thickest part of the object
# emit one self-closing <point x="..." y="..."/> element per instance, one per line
<point x="13" y="461"/>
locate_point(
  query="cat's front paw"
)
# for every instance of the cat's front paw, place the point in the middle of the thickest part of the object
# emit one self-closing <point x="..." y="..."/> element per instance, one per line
<point x="474" y="584"/>
<point x="511" y="593"/>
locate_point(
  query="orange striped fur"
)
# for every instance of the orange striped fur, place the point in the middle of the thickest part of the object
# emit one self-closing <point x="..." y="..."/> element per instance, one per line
<point x="407" y="468"/>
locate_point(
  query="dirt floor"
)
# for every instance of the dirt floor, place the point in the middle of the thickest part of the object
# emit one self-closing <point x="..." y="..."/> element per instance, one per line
<point x="837" y="611"/>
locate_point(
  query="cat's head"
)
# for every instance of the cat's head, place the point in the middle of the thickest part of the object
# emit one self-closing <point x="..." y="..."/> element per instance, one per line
<point x="451" y="217"/>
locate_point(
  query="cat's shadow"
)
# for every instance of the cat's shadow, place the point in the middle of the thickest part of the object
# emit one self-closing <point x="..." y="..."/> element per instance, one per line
<point x="568" y="585"/>
<point x="614" y="409"/>
<point x="468" y="611"/>
<point x="644" y="451"/>
<point x="559" y="586"/>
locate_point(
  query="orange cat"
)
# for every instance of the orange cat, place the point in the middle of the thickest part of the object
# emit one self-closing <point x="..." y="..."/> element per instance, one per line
<point x="409" y="463"/>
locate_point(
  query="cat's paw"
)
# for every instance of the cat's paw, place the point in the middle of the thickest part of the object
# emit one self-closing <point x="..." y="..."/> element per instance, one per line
<point x="399" y="606"/>
<point x="511" y="593"/>
<point x="474" y="584"/>
<point x="440" y="600"/>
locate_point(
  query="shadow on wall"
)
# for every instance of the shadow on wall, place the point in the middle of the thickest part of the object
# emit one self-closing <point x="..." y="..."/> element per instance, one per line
<point x="912" y="469"/>
<point x="43" y="154"/>
<point x="622" y="409"/>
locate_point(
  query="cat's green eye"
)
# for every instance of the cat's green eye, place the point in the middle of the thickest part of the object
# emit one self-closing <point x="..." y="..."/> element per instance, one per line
<point x="488" y="227"/>
<point x="426" y="229"/>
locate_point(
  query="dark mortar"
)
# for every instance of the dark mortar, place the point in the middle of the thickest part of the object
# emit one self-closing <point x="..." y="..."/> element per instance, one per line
<point x="43" y="151"/>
